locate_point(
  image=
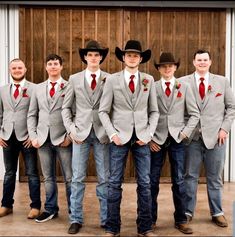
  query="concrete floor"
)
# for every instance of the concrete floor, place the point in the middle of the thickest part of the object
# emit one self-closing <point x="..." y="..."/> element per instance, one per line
<point x="17" y="224"/>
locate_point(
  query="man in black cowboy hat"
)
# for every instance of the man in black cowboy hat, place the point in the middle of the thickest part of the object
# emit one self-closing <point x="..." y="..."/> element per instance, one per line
<point x="129" y="113"/>
<point x="175" y="99"/>
<point x="86" y="131"/>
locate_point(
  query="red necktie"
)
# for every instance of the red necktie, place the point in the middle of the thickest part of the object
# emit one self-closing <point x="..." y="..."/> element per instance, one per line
<point x="132" y="84"/>
<point x="93" y="82"/>
<point x="168" y="90"/>
<point x="202" y="88"/>
<point x="16" y="92"/>
<point x="52" y="90"/>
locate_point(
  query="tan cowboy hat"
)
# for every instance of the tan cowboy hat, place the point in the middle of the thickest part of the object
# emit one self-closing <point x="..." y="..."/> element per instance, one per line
<point x="133" y="46"/>
<point x="166" y="58"/>
<point x="93" y="46"/>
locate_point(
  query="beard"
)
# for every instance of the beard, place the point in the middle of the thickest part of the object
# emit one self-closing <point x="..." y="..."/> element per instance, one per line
<point x="17" y="79"/>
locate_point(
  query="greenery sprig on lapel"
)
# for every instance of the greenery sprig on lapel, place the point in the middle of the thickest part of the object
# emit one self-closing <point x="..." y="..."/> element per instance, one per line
<point x="177" y="86"/>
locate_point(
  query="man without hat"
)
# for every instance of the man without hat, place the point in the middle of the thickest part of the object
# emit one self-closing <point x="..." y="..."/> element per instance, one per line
<point x="86" y="131"/>
<point x="175" y="101"/>
<point x="129" y="113"/>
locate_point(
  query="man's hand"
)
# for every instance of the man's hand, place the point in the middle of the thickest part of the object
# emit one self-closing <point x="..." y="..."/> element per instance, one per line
<point x="222" y="135"/>
<point x="67" y="141"/>
<point x="116" y="140"/>
<point x="154" y="147"/>
<point x="140" y="143"/>
<point x="3" y="143"/>
<point x="35" y="143"/>
<point x="27" y="143"/>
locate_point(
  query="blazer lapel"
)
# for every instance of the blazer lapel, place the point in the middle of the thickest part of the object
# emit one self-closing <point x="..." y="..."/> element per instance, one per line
<point x="99" y="88"/>
<point x="123" y="88"/>
<point x="10" y="96"/>
<point x="83" y="87"/>
<point x="21" y="93"/>
<point x="207" y="94"/>
<point x="160" y="93"/>
<point x="195" y="90"/>
<point x="141" y="89"/>
<point x="174" y="97"/>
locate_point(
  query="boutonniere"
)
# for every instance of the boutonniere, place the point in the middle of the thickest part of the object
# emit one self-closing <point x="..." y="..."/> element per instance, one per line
<point x="24" y="92"/>
<point x="62" y="86"/>
<point x="218" y="94"/>
<point x="145" y="84"/>
<point x="209" y="88"/>
<point x="103" y="79"/>
<point x="177" y="85"/>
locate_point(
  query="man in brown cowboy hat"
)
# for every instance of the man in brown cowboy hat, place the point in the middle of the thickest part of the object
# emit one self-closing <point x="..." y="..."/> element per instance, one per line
<point x="175" y="99"/>
<point x="129" y="113"/>
<point x="86" y="131"/>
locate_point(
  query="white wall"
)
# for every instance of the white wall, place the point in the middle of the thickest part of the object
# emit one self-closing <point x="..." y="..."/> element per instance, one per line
<point x="9" y="49"/>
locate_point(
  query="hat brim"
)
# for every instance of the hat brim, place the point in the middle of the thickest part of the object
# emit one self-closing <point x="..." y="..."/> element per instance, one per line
<point x="146" y="55"/>
<point x="83" y="52"/>
<point x="157" y="65"/>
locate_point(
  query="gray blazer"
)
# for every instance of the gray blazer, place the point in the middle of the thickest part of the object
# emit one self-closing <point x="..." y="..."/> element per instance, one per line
<point x="13" y="115"/>
<point x="44" y="117"/>
<point x="172" y="118"/>
<point x="218" y="109"/>
<point x="86" y="110"/>
<point x="118" y="114"/>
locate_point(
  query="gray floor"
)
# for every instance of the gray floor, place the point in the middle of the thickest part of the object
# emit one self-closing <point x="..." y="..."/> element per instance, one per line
<point x="17" y="224"/>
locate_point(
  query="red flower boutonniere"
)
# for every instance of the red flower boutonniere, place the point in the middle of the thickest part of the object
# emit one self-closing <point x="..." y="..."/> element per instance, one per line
<point x="24" y="92"/>
<point x="62" y="86"/>
<point x="209" y="88"/>
<point x="63" y="95"/>
<point x="218" y="94"/>
<point x="145" y="84"/>
<point x="177" y="85"/>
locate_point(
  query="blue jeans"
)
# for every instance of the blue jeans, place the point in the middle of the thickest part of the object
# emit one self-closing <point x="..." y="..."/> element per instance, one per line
<point x="118" y="158"/>
<point x="11" y="154"/>
<point x="79" y="165"/>
<point x="48" y="154"/>
<point x="213" y="160"/>
<point x="176" y="153"/>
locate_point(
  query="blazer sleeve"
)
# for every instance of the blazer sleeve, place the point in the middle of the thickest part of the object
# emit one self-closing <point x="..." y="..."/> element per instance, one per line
<point x="229" y="101"/>
<point x="32" y="116"/>
<point x="68" y="110"/>
<point x="106" y="107"/>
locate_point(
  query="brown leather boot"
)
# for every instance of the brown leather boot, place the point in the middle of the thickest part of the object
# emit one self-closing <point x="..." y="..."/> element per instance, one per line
<point x="4" y="211"/>
<point x="34" y="213"/>
<point x="184" y="228"/>
<point x="220" y="221"/>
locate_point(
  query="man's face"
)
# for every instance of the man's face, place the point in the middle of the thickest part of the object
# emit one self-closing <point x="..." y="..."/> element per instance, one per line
<point x="54" y="68"/>
<point x="167" y="71"/>
<point x="93" y="59"/>
<point x="202" y="63"/>
<point x="17" y="70"/>
<point x="132" y="59"/>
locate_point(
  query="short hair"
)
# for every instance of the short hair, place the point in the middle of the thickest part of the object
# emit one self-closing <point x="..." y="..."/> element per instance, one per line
<point x="201" y="51"/>
<point x="16" y="60"/>
<point x="54" y="57"/>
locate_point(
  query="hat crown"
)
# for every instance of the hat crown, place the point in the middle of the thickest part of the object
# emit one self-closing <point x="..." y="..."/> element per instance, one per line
<point x="93" y="45"/>
<point x="133" y="45"/>
<point x="167" y="58"/>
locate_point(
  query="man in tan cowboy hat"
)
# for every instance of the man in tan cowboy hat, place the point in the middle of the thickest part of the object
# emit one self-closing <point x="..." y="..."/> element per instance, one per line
<point x="129" y="113"/>
<point x="175" y="99"/>
<point x="86" y="131"/>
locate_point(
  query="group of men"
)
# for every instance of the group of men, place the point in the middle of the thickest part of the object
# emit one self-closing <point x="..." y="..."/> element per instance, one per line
<point x="114" y="114"/>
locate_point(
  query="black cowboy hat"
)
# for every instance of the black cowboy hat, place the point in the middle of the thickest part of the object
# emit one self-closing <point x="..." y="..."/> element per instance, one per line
<point x="166" y="58"/>
<point x="133" y="46"/>
<point x="93" y="46"/>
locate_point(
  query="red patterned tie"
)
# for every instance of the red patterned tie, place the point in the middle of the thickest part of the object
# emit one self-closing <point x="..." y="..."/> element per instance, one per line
<point x="16" y="92"/>
<point x="132" y="84"/>
<point x="52" y="90"/>
<point x="93" y="82"/>
<point x="202" y="88"/>
<point x="168" y="90"/>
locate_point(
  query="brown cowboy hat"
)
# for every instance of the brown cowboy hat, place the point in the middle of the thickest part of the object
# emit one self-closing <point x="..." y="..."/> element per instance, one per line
<point x="93" y="46"/>
<point x="133" y="46"/>
<point x="166" y="58"/>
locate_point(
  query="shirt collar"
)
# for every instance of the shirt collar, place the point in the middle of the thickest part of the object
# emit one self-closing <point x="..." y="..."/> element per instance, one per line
<point x="22" y="83"/>
<point x="127" y="74"/>
<point x="197" y="77"/>
<point x="88" y="73"/>
<point x="172" y="81"/>
<point x="57" y="81"/>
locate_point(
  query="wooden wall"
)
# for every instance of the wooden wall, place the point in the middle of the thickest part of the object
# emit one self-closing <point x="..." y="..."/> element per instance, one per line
<point x="63" y="30"/>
